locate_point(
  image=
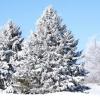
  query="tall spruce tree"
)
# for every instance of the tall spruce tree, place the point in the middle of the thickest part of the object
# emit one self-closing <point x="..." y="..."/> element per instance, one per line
<point x="50" y="58"/>
<point x="10" y="44"/>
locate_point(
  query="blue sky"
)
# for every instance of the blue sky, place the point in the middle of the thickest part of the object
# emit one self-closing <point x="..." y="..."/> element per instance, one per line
<point x="81" y="16"/>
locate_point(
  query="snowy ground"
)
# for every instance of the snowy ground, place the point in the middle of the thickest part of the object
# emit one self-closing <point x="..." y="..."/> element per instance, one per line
<point x="94" y="89"/>
<point x="92" y="94"/>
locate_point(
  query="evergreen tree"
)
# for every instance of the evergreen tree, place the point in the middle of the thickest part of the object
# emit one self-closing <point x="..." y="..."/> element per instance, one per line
<point x="50" y="58"/>
<point x="10" y="44"/>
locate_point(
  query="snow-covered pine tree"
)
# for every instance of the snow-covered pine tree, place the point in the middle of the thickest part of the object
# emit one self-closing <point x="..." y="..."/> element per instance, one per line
<point x="10" y="44"/>
<point x="27" y="75"/>
<point x="50" y="58"/>
<point x="58" y="52"/>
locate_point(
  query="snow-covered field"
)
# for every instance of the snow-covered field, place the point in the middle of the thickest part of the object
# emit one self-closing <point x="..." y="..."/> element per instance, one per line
<point x="94" y="89"/>
<point x="92" y="94"/>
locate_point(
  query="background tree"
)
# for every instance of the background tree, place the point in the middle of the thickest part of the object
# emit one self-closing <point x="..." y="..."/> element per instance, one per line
<point x="92" y="61"/>
<point x="10" y="44"/>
